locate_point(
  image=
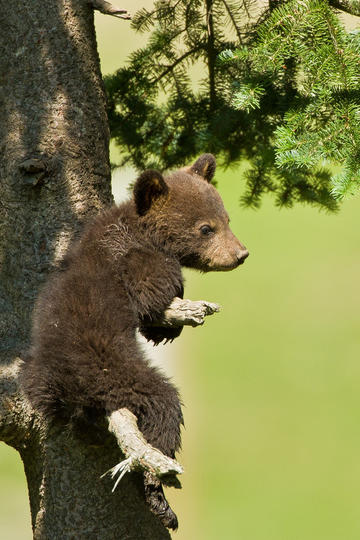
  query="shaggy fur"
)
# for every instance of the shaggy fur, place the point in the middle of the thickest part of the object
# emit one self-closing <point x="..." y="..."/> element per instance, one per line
<point x="121" y="274"/>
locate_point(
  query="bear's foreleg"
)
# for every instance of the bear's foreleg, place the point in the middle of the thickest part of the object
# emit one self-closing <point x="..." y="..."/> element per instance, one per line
<point x="178" y="314"/>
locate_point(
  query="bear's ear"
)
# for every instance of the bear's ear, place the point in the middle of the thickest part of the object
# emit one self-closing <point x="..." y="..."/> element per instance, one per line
<point x="148" y="187"/>
<point x="205" y="166"/>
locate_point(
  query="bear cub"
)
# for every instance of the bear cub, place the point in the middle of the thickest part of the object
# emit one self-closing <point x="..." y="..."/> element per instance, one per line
<point x="120" y="276"/>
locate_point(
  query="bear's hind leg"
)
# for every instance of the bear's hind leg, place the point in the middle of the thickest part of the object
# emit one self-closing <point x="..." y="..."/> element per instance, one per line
<point x="155" y="498"/>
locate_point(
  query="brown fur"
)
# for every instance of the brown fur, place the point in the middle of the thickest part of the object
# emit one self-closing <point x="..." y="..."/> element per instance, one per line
<point x="122" y="273"/>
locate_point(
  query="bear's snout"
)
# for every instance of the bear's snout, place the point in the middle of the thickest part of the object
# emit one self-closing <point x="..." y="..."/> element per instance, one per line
<point x="241" y="255"/>
<point x="224" y="252"/>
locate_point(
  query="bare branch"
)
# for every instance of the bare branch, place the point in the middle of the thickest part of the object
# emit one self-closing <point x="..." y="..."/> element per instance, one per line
<point x="108" y="9"/>
<point x="139" y="454"/>
<point x="187" y="313"/>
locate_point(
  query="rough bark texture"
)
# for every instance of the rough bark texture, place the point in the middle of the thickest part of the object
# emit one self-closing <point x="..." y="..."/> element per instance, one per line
<point x="52" y="110"/>
<point x="68" y="498"/>
<point x="54" y="173"/>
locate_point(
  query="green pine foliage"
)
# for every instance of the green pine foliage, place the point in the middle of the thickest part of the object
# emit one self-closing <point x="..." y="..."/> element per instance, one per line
<point x="281" y="92"/>
<point x="321" y="124"/>
<point x="156" y="114"/>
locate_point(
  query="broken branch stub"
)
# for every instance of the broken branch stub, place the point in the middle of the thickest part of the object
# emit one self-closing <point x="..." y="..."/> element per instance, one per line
<point x="182" y="312"/>
<point x="108" y="9"/>
<point x="139" y="454"/>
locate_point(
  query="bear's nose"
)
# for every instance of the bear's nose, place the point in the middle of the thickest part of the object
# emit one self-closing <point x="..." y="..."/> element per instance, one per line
<point x="241" y="255"/>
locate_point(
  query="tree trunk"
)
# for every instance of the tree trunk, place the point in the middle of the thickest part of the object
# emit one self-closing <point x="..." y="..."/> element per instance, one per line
<point x="54" y="173"/>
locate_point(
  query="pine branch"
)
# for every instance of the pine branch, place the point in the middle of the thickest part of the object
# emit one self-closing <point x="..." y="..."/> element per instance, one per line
<point x="211" y="54"/>
<point x="177" y="61"/>
<point x="233" y="20"/>
<point x="288" y="93"/>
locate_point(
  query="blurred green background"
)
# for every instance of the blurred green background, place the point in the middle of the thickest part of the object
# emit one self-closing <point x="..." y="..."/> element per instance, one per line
<point x="270" y="385"/>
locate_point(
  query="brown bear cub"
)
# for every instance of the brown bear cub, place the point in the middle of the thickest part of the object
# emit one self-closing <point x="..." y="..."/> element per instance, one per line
<point x="121" y="275"/>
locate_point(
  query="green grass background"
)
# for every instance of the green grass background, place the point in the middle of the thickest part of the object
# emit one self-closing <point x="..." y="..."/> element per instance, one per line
<point x="271" y="384"/>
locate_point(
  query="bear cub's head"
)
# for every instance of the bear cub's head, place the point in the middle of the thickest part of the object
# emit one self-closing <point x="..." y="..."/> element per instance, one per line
<point x="187" y="218"/>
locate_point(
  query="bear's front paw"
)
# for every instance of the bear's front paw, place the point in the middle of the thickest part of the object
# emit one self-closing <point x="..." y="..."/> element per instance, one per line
<point x="157" y="334"/>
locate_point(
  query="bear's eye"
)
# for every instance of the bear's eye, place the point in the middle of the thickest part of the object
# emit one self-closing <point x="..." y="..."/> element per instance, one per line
<point x="206" y="230"/>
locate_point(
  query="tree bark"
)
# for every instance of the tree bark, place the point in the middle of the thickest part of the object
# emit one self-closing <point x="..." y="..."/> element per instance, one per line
<point x="55" y="173"/>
